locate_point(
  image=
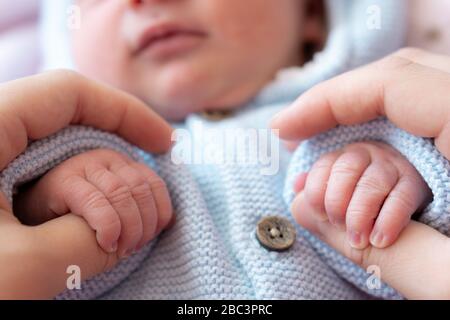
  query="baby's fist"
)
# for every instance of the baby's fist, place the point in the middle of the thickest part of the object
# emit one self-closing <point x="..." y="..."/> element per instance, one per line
<point x="368" y="188"/>
<point x="124" y="201"/>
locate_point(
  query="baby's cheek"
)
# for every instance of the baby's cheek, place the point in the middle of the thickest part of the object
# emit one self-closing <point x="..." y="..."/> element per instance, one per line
<point x="99" y="50"/>
<point x="91" y="59"/>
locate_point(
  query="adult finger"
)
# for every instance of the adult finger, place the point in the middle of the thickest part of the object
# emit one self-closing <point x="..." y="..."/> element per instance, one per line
<point x="37" y="259"/>
<point x="410" y="89"/>
<point x="35" y="107"/>
<point x="76" y="245"/>
<point x="415" y="265"/>
<point x="75" y="194"/>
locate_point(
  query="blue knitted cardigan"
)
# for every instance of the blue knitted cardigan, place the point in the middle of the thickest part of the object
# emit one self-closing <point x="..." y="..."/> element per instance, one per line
<point x="212" y="251"/>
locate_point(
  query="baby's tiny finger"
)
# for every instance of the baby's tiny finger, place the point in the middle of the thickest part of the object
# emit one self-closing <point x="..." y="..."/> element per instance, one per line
<point x="86" y="200"/>
<point x="345" y="174"/>
<point x="369" y="195"/>
<point x="143" y="196"/>
<point x="300" y="182"/>
<point x="403" y="201"/>
<point x="161" y="195"/>
<point x="316" y="183"/>
<point x="302" y="210"/>
<point x="119" y="196"/>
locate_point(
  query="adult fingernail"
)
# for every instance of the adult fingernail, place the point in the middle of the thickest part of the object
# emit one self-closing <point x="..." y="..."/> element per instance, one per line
<point x="377" y="239"/>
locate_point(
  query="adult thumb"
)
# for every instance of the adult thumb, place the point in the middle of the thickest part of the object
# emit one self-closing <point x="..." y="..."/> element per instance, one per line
<point x="416" y="265"/>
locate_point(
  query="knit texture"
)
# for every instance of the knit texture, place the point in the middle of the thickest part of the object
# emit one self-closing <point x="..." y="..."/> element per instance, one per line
<point x="420" y="152"/>
<point x="212" y="252"/>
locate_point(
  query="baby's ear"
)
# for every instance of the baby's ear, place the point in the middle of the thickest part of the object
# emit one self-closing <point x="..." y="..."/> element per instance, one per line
<point x="314" y="27"/>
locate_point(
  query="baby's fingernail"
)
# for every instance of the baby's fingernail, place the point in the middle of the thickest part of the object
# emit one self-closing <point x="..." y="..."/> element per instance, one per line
<point x="300" y="182"/>
<point x="114" y="247"/>
<point x="354" y="238"/>
<point x="127" y="253"/>
<point x="377" y="239"/>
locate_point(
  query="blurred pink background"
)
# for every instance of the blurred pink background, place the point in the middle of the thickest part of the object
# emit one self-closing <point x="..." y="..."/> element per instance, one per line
<point x="19" y="36"/>
<point x="19" y="41"/>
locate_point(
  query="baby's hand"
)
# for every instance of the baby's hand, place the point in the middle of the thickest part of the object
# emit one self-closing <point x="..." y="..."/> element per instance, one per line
<point x="125" y="202"/>
<point x="368" y="188"/>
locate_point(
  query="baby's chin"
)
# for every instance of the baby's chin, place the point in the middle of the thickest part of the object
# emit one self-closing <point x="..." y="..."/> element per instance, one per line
<point x="175" y="113"/>
<point x="175" y="110"/>
<point x="176" y="103"/>
<point x="178" y="108"/>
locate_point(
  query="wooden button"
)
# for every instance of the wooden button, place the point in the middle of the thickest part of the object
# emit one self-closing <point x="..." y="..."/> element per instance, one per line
<point x="216" y="115"/>
<point x="275" y="233"/>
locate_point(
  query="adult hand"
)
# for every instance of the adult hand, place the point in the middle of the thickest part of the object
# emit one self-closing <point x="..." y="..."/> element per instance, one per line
<point x="412" y="89"/>
<point x="34" y="260"/>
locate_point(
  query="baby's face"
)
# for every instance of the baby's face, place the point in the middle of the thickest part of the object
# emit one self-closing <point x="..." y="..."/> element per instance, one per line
<point x="185" y="56"/>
